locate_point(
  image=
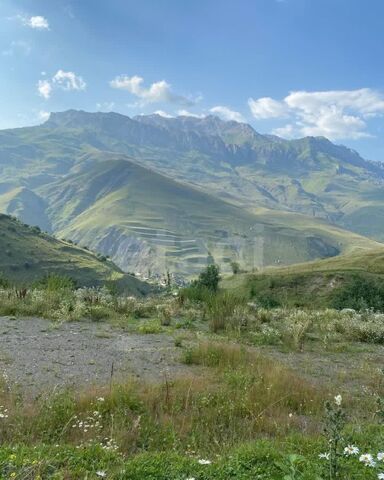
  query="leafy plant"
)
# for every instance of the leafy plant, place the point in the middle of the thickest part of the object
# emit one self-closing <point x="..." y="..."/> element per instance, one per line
<point x="209" y="278"/>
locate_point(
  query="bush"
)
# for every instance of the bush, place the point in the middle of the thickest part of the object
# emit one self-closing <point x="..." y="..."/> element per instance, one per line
<point x="209" y="278"/>
<point x="235" y="267"/>
<point x="360" y="294"/>
<point x="194" y="293"/>
<point x="54" y="282"/>
<point x="221" y="309"/>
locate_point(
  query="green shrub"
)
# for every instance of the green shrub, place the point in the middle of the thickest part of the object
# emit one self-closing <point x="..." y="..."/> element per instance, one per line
<point x="209" y="278"/>
<point x="221" y="309"/>
<point x="53" y="282"/>
<point x="194" y="293"/>
<point x="360" y="294"/>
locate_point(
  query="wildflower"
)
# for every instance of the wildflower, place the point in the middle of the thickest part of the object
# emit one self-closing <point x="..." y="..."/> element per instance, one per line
<point x="3" y="412"/>
<point x="351" y="450"/>
<point x="367" y="459"/>
<point x="101" y="399"/>
<point x="380" y="476"/>
<point x="324" y="456"/>
<point x="101" y="473"/>
<point x="204" y="462"/>
<point x="380" y="456"/>
<point x="338" y="400"/>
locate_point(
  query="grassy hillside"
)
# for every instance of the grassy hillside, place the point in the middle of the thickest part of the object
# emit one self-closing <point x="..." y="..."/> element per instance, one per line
<point x="143" y="191"/>
<point x="27" y="255"/>
<point x="146" y="221"/>
<point x="314" y="284"/>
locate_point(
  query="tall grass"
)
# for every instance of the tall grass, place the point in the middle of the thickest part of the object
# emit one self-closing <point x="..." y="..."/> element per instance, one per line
<point x="238" y="397"/>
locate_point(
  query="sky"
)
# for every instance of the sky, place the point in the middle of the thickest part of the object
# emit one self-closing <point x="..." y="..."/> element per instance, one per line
<point x="288" y="67"/>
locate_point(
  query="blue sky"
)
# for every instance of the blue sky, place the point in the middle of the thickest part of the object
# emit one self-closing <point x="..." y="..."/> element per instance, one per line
<point x="290" y="67"/>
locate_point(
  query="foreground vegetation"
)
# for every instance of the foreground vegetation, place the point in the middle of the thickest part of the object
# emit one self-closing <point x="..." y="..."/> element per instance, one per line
<point x="246" y="417"/>
<point x="241" y="412"/>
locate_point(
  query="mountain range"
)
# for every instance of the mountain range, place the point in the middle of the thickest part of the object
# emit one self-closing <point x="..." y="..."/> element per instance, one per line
<point x="174" y="194"/>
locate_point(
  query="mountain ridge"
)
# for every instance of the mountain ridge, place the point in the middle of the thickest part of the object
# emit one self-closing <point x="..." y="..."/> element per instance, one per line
<point x="252" y="178"/>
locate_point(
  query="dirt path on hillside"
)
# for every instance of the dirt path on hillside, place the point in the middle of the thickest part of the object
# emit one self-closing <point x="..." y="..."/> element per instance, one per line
<point x="39" y="356"/>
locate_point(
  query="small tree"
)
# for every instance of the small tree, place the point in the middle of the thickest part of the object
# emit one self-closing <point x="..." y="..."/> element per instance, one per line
<point x="209" y="278"/>
<point x="235" y="267"/>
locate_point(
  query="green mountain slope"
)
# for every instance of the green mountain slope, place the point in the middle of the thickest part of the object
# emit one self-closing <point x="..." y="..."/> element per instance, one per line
<point x="26" y="255"/>
<point x="311" y="175"/>
<point x="312" y="284"/>
<point x="146" y="221"/>
<point x="136" y="189"/>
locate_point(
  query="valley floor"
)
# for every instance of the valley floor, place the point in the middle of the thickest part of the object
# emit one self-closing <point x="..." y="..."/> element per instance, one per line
<point x="40" y="356"/>
<point x="163" y="396"/>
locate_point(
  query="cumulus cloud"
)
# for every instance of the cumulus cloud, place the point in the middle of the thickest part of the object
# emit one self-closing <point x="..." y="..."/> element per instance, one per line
<point x="227" y="114"/>
<point x="68" y="80"/>
<point x="37" y="22"/>
<point x="336" y="114"/>
<point x="267" y="107"/>
<point x="64" y="80"/>
<point x="157" y="92"/>
<point x="44" y="88"/>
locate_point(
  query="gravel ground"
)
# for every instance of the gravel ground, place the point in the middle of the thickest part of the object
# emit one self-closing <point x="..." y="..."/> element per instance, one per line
<point x="39" y="356"/>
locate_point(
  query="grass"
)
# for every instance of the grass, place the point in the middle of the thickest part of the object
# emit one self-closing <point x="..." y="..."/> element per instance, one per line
<point x="248" y="404"/>
<point x="250" y="416"/>
<point x="310" y="285"/>
<point x="28" y="255"/>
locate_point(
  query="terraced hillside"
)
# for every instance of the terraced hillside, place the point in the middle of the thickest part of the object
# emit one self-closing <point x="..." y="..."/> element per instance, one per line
<point x="146" y="221"/>
<point x="27" y="255"/>
<point x="175" y="194"/>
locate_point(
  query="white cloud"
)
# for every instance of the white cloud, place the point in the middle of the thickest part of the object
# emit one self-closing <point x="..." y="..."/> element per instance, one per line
<point x="64" y="80"/>
<point x="267" y="107"/>
<point x="186" y="113"/>
<point x="43" y="115"/>
<point x="288" y="131"/>
<point x="68" y="80"/>
<point x="336" y="114"/>
<point x="163" y="114"/>
<point x="157" y="92"/>
<point x="37" y="22"/>
<point x="227" y="114"/>
<point x="44" y="88"/>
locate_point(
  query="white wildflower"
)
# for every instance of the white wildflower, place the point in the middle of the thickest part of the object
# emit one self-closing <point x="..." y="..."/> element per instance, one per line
<point x="324" y="456"/>
<point x="3" y="412"/>
<point x="101" y="473"/>
<point x="380" y="456"/>
<point x="202" y="461"/>
<point x="351" y="450"/>
<point x="338" y="400"/>
<point x="367" y="459"/>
